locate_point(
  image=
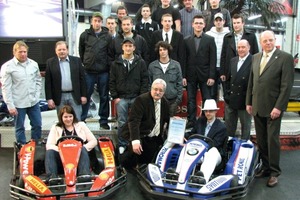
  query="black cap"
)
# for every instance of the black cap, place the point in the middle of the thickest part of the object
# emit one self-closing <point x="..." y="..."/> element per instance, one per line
<point x="128" y="39"/>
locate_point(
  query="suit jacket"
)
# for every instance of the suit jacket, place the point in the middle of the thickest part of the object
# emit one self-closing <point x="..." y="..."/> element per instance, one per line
<point x="272" y="88"/>
<point x="178" y="52"/>
<point x="217" y="131"/>
<point x="141" y="119"/>
<point x="236" y="90"/>
<point x="200" y="64"/>
<point x="53" y="80"/>
<point x="229" y="49"/>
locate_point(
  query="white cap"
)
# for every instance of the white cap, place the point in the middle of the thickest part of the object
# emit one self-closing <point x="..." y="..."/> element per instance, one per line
<point x="210" y="104"/>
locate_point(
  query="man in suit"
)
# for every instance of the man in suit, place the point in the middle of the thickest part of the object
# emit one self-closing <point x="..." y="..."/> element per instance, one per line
<point x="201" y="57"/>
<point x="229" y="48"/>
<point x="211" y="127"/>
<point x="65" y="80"/>
<point x="236" y="92"/>
<point x="146" y="125"/>
<point x="270" y="83"/>
<point x="171" y="36"/>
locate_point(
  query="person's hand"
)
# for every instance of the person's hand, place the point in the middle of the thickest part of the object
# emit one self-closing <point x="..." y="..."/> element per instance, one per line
<point x="13" y="112"/>
<point x="223" y="78"/>
<point x="83" y="100"/>
<point x="184" y="82"/>
<point x="275" y="113"/>
<point x="249" y="109"/>
<point x="137" y="148"/>
<point x="210" y="82"/>
<point x="117" y="100"/>
<point x="51" y="104"/>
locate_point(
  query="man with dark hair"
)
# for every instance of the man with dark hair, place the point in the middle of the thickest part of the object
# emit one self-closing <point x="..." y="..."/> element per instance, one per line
<point x="170" y="71"/>
<point x="128" y="79"/>
<point x="141" y="47"/>
<point x="165" y="8"/>
<point x="65" y="80"/>
<point x="146" y="26"/>
<point x="200" y="67"/>
<point x="121" y="12"/>
<point x="111" y="24"/>
<point x="93" y="50"/>
<point x="171" y="36"/>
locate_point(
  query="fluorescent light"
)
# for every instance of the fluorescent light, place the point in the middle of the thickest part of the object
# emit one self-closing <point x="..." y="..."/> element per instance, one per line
<point x="253" y="17"/>
<point x="110" y="1"/>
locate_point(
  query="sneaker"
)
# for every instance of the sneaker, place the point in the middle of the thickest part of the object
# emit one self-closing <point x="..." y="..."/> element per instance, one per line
<point x="105" y="126"/>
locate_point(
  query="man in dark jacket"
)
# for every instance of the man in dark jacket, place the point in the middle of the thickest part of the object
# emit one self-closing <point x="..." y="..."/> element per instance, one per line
<point x="148" y="119"/>
<point x="141" y="47"/>
<point x="93" y="50"/>
<point x="235" y="95"/>
<point x="128" y="79"/>
<point x="64" y="80"/>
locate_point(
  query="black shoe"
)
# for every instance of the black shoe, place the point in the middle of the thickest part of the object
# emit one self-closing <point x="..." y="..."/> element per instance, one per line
<point x="262" y="173"/>
<point x="105" y="126"/>
<point x="189" y="125"/>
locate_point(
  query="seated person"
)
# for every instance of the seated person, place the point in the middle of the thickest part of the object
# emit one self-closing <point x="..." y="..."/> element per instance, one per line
<point x="68" y="125"/>
<point x="213" y="128"/>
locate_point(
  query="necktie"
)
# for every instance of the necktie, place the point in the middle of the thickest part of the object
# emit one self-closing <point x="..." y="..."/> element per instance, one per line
<point x="208" y="126"/>
<point x="167" y="38"/>
<point x="263" y="63"/>
<point x="156" y="129"/>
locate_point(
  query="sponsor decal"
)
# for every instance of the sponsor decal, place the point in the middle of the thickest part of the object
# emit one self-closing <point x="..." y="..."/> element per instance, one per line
<point x="161" y="155"/>
<point x="103" y="176"/>
<point x="108" y="157"/>
<point x="25" y="163"/>
<point x="70" y="166"/>
<point x="240" y="168"/>
<point x="36" y="184"/>
<point x="192" y="152"/>
<point x="213" y="185"/>
<point x="69" y="145"/>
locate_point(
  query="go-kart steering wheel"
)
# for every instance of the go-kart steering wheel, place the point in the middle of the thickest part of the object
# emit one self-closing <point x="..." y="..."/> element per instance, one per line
<point x="206" y="139"/>
<point x="70" y="137"/>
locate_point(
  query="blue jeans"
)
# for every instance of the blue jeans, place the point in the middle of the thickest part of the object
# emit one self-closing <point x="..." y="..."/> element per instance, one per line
<point x="67" y="99"/>
<point x="53" y="162"/>
<point x="122" y="111"/>
<point x="101" y="80"/>
<point x="35" y="118"/>
<point x="192" y="88"/>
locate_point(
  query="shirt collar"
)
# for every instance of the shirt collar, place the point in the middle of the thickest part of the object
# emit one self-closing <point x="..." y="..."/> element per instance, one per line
<point x="170" y="32"/>
<point x="15" y="60"/>
<point x="67" y="59"/>
<point x="244" y="58"/>
<point x="148" y="21"/>
<point x="211" y="123"/>
<point x="270" y="53"/>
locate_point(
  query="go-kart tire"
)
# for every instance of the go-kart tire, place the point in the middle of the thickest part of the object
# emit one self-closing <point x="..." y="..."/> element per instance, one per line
<point x="234" y="182"/>
<point x="20" y="182"/>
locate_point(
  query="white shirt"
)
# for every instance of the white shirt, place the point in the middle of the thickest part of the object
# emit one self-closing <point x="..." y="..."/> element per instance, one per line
<point x="21" y="83"/>
<point x="170" y="33"/>
<point x="241" y="61"/>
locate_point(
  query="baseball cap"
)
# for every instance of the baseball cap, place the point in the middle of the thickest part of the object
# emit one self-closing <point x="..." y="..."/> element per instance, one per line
<point x="128" y="39"/>
<point x="220" y="15"/>
<point x="98" y="14"/>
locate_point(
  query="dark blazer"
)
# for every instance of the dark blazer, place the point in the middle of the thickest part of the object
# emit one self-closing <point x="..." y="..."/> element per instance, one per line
<point x="229" y="49"/>
<point x="272" y="88"/>
<point x="238" y="83"/>
<point x="200" y="64"/>
<point x="141" y="119"/>
<point x="53" y="80"/>
<point x="178" y="52"/>
<point x="217" y="131"/>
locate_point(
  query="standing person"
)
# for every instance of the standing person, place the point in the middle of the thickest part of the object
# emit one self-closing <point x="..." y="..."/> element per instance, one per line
<point x="215" y="8"/>
<point x="173" y="37"/>
<point x="121" y="12"/>
<point x="218" y="32"/>
<point x="141" y="47"/>
<point x="164" y="9"/>
<point x="93" y="50"/>
<point x="146" y="26"/>
<point x="229" y="48"/>
<point x="146" y="125"/>
<point x="210" y="126"/>
<point x="170" y="71"/>
<point x="68" y="125"/>
<point x="187" y="13"/>
<point x="21" y="89"/>
<point x="270" y="83"/>
<point x="65" y="81"/>
<point x="128" y="79"/>
<point x="201" y="57"/>
<point x="236" y="92"/>
<point x="111" y="24"/>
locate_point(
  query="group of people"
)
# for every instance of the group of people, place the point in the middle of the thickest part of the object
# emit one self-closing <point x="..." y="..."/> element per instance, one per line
<point x="145" y="70"/>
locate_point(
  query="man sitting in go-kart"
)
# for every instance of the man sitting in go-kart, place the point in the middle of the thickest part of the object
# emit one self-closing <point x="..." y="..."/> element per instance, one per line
<point x="211" y="127"/>
<point x="68" y="125"/>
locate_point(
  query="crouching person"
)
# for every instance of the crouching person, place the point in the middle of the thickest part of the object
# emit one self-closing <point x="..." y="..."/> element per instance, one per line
<point x="68" y="125"/>
<point x="214" y="129"/>
<point x="146" y="124"/>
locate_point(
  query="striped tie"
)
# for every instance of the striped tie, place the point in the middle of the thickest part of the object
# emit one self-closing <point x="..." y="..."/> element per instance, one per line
<point x="156" y="129"/>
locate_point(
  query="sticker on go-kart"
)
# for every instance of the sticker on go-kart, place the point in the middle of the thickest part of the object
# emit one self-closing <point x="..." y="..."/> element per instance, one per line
<point x="105" y="178"/>
<point x="27" y="158"/>
<point x="35" y="184"/>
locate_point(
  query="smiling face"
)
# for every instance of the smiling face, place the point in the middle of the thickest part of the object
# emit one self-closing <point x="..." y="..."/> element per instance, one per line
<point x="67" y="119"/>
<point x="128" y="49"/>
<point x="243" y="48"/>
<point x="61" y="51"/>
<point x="267" y="41"/>
<point x="157" y="91"/>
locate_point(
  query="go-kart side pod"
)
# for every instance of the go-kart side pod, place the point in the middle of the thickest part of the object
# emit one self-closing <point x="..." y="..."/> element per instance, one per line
<point x="105" y="178"/>
<point x="36" y="185"/>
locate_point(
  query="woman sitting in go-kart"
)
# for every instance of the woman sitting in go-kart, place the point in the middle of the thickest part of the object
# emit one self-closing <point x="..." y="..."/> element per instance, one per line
<point x="210" y="127"/>
<point x="68" y="125"/>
